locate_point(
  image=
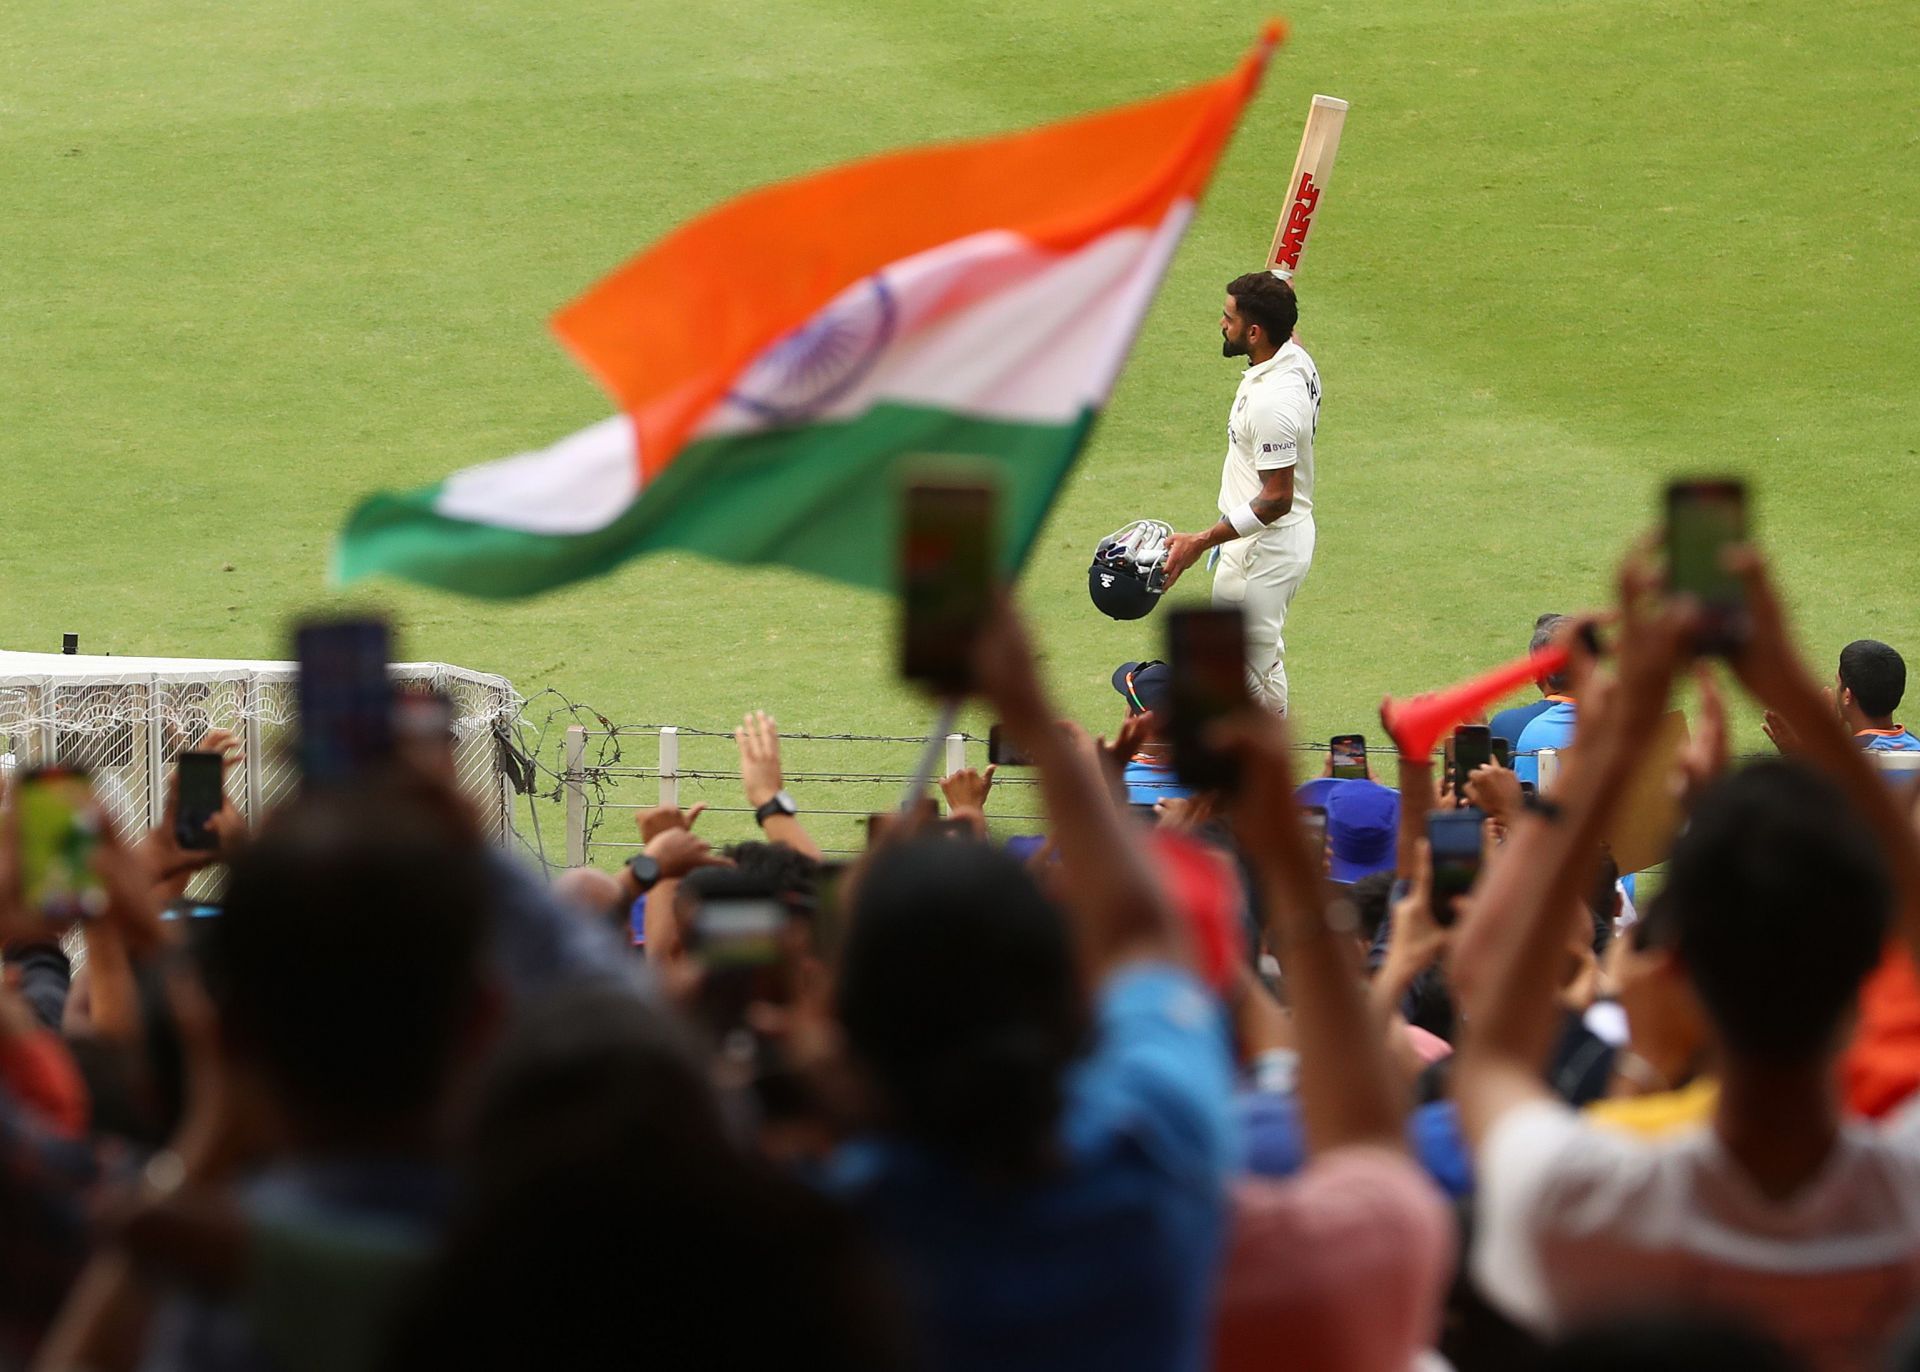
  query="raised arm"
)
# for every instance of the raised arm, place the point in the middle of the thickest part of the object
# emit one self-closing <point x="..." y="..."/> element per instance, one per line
<point x="1115" y="896"/>
<point x="1520" y="916"/>
<point x="1349" y="1093"/>
<point x="763" y="781"/>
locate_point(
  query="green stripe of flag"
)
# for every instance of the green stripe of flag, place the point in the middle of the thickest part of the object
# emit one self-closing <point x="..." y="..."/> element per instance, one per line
<point x="822" y="498"/>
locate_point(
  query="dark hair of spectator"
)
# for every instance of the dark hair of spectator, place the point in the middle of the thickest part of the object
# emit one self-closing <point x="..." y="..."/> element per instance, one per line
<point x="794" y="875"/>
<point x="600" y="1173"/>
<point x="1264" y="299"/>
<point x="1545" y="629"/>
<point x="959" y="993"/>
<point x="1678" y="1342"/>
<point x="349" y="960"/>
<point x="1781" y="904"/>
<point x="1876" y="674"/>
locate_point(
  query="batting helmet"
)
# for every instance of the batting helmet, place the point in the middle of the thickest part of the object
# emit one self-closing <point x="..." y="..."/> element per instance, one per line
<point x="1129" y="569"/>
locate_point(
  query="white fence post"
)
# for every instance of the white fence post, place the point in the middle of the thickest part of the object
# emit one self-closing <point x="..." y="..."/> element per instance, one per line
<point x="1548" y="761"/>
<point x="669" y="768"/>
<point x="956" y="753"/>
<point x="576" y="787"/>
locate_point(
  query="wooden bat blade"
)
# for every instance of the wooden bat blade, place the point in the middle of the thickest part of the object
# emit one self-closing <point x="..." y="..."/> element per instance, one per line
<point x="1312" y="169"/>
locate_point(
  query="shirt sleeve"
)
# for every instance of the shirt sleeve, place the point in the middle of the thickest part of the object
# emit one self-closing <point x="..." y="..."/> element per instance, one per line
<point x="1276" y="424"/>
<point x="1531" y="1154"/>
<point x="1164" y="1068"/>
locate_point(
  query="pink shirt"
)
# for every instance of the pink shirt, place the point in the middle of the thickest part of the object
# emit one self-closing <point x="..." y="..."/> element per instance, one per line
<point x="1343" y="1266"/>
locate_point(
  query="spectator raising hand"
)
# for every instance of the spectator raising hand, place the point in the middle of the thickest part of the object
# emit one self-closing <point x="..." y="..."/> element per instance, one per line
<point x="760" y="777"/>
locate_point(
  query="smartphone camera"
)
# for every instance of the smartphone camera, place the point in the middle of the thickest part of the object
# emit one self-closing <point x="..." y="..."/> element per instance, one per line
<point x="1704" y="519"/>
<point x="1348" y="754"/>
<point x="59" y="827"/>
<point x="201" y="795"/>
<point x="947" y="560"/>
<point x="1206" y="650"/>
<point x="1472" y="750"/>
<point x="1001" y="751"/>
<point x="1454" y="838"/>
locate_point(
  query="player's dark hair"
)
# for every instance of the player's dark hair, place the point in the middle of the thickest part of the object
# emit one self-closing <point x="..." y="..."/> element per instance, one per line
<point x="1876" y="674"/>
<point x="1264" y="299"/>
<point x="1545" y="629"/>
<point x="1780" y="904"/>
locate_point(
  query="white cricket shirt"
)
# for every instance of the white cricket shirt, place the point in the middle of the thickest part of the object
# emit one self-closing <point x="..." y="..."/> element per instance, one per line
<point x="1271" y="425"/>
<point x="1579" y="1221"/>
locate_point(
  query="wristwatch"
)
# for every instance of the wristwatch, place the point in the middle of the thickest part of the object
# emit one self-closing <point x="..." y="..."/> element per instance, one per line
<point x="781" y="804"/>
<point x="645" y="871"/>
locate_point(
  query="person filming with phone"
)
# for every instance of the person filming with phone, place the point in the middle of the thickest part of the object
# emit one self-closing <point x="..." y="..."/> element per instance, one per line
<point x="1265" y="533"/>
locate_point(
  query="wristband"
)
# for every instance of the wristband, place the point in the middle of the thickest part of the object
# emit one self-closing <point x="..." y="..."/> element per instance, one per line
<point x="1245" y="522"/>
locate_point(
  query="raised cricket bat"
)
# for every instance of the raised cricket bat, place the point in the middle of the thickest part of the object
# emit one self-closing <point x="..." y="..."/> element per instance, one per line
<point x="1311" y="171"/>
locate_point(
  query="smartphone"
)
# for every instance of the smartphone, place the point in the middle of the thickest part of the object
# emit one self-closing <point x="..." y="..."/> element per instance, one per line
<point x="1025" y="847"/>
<point x="1314" y="819"/>
<point x="346" y="699"/>
<point x="59" y="823"/>
<point x="1001" y="751"/>
<point x="1502" y="753"/>
<point x="1349" y="755"/>
<point x="1703" y="519"/>
<point x="947" y="558"/>
<point x="202" y="793"/>
<point x="1206" y="650"/>
<point x="1454" y="837"/>
<point x="1472" y="748"/>
<point x="738" y="934"/>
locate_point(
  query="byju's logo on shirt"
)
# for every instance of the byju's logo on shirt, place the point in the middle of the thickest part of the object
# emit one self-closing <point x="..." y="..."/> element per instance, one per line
<point x="1286" y="447"/>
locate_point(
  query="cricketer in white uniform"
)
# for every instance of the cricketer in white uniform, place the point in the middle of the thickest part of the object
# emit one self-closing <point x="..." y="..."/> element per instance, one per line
<point x="1265" y="533"/>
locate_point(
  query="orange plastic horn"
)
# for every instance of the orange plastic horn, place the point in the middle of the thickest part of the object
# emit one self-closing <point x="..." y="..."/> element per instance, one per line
<point x="1416" y="725"/>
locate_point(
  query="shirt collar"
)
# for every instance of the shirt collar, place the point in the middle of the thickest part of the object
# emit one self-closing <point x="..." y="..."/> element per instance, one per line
<point x="1894" y="732"/>
<point x="1262" y="368"/>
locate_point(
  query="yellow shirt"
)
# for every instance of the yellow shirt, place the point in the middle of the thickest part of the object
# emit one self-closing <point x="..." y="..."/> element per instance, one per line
<point x="1661" y="1113"/>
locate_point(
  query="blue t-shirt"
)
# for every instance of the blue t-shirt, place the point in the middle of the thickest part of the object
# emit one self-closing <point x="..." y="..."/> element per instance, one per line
<point x="1274" y="1139"/>
<point x="1510" y="723"/>
<point x="1551" y="728"/>
<point x="1109" y="1262"/>
<point x="1147" y="782"/>
<point x="1899" y="741"/>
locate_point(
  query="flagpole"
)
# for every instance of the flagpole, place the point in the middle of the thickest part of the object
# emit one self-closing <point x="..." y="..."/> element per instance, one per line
<point x="930" y="754"/>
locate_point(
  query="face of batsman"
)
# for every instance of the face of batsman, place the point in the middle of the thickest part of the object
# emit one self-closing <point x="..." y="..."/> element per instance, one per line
<point x="1233" y="332"/>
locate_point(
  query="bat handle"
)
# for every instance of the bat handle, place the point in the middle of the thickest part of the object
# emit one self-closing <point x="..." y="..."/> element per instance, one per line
<point x="1285" y="274"/>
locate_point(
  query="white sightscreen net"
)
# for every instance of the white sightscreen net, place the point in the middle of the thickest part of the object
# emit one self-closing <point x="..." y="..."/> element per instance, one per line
<point x="126" y="719"/>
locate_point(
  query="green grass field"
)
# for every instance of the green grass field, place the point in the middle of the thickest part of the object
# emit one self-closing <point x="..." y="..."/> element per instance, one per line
<point x="259" y="259"/>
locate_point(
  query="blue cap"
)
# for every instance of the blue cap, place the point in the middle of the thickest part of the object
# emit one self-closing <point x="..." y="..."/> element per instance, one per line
<point x="1363" y="821"/>
<point x="1146" y="686"/>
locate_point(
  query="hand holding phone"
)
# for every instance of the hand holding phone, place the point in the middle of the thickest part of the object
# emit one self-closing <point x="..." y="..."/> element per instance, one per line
<point x="1348" y="755"/>
<point x="1472" y="749"/>
<point x="59" y="826"/>
<point x="1704" y="519"/>
<point x="1206" y="650"/>
<point x="200" y="795"/>
<point x="1453" y="837"/>
<point x="947" y="578"/>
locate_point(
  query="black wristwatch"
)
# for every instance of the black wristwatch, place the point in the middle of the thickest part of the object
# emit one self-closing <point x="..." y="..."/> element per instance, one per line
<point x="781" y="804"/>
<point x="645" y="871"/>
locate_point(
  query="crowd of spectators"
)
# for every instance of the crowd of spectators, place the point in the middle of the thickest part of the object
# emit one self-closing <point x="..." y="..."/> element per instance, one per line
<point x="1184" y="1083"/>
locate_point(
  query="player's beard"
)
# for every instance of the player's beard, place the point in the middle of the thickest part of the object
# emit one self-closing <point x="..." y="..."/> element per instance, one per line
<point x="1232" y="347"/>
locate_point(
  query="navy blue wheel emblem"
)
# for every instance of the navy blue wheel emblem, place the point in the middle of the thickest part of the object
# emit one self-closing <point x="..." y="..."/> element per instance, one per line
<point x="821" y="360"/>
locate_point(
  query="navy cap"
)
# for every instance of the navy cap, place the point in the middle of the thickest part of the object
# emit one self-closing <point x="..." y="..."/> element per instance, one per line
<point x="1150" y="688"/>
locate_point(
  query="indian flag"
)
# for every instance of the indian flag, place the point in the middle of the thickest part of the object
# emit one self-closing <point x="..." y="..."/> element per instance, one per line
<point x="782" y="359"/>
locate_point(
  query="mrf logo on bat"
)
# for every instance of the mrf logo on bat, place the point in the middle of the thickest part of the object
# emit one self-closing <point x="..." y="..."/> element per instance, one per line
<point x="1293" y="234"/>
<point x="1312" y="169"/>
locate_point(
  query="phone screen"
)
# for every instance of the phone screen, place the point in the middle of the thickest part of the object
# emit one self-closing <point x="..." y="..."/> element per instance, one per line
<point x="59" y="834"/>
<point x="1454" y="837"/>
<point x="1703" y="518"/>
<point x="1206" y="650"/>
<point x="946" y="581"/>
<point x="346" y="699"/>
<point x="1472" y="749"/>
<point x="739" y="941"/>
<point x="1001" y="751"/>
<point x="1349" y="755"/>
<point x="201" y="795"/>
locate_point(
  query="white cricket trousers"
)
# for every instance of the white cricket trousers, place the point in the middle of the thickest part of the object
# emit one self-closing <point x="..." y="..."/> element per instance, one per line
<point x="1261" y="575"/>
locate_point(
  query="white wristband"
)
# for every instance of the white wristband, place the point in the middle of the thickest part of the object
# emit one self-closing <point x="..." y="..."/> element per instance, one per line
<point x="1245" y="522"/>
